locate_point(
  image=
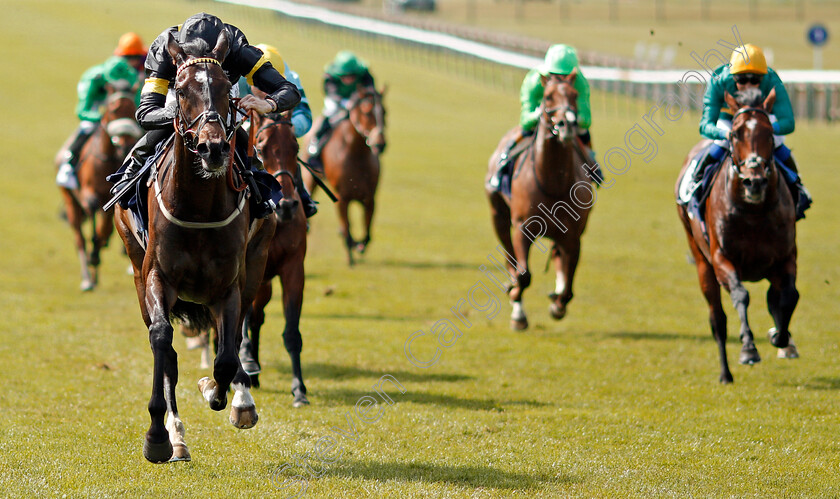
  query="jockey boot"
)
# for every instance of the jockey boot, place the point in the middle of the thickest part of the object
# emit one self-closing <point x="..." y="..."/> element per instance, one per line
<point x="310" y="207"/>
<point x="505" y="161"/>
<point x="135" y="160"/>
<point x="713" y="155"/>
<point x="594" y="171"/>
<point x="66" y="176"/>
<point x="801" y="197"/>
<point x="322" y="135"/>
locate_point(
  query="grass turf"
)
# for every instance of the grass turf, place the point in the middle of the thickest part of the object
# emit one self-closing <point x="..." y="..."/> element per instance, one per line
<point x="619" y="399"/>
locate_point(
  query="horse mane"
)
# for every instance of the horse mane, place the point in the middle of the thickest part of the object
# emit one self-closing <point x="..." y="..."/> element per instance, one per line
<point x="197" y="47"/>
<point x="750" y="97"/>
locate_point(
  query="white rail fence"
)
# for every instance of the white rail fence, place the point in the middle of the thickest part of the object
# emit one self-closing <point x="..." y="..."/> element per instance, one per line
<point x="814" y="94"/>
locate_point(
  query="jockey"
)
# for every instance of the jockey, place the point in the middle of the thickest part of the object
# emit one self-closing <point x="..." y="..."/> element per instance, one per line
<point x="342" y="77"/>
<point x="559" y="60"/>
<point x="301" y="115"/>
<point x="132" y="49"/>
<point x="92" y="92"/>
<point x="747" y="68"/>
<point x="156" y="113"/>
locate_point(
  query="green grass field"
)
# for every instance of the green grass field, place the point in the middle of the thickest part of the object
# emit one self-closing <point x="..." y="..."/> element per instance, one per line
<point x="620" y="399"/>
<point x="615" y="26"/>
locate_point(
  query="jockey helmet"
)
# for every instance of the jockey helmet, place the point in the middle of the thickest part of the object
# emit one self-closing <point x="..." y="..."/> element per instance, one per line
<point x="346" y="63"/>
<point x="204" y="26"/>
<point x="117" y="69"/>
<point x="130" y="44"/>
<point x="273" y="56"/>
<point x="559" y="59"/>
<point x="747" y="59"/>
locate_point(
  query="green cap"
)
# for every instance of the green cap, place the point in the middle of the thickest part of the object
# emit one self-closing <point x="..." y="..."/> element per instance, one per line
<point x="559" y="59"/>
<point x="346" y="63"/>
<point x="117" y="69"/>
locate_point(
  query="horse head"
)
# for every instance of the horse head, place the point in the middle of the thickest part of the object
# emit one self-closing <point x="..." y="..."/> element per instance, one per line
<point x="367" y="114"/>
<point x="559" y="106"/>
<point x="751" y="141"/>
<point x="118" y="117"/>
<point x="202" y="91"/>
<point x="277" y="147"/>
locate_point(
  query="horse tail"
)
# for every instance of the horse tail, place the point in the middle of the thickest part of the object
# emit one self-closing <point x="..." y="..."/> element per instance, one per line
<point x="197" y="316"/>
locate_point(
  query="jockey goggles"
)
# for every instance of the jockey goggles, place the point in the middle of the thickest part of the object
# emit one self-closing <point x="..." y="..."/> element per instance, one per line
<point x="747" y="78"/>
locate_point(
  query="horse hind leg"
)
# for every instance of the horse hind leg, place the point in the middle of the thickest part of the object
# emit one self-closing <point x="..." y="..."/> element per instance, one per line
<point x="75" y="216"/>
<point x="717" y="318"/>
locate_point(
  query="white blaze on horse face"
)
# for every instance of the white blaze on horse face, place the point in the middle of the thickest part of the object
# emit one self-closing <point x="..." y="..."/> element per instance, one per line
<point x="751" y="124"/>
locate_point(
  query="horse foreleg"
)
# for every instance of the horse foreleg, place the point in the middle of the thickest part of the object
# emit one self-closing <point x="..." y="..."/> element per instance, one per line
<point x="173" y="421"/>
<point x="565" y="264"/>
<point x="521" y="247"/>
<point x="75" y="217"/>
<point x="726" y="275"/>
<point x="369" y="205"/>
<point x="103" y="227"/>
<point x="158" y="448"/>
<point x="344" y="230"/>
<point x="255" y="321"/>
<point x="782" y="298"/>
<point x="292" y="278"/>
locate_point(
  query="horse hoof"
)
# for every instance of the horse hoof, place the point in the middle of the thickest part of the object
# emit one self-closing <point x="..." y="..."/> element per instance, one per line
<point x="180" y="453"/>
<point x="789" y="352"/>
<point x="208" y="388"/>
<point x="87" y="285"/>
<point x="519" y="324"/>
<point x="244" y="417"/>
<point x="749" y="355"/>
<point x="250" y="366"/>
<point x="157" y="452"/>
<point x="255" y="380"/>
<point x="300" y="400"/>
<point x="726" y="379"/>
<point x="557" y="311"/>
<point x="777" y="339"/>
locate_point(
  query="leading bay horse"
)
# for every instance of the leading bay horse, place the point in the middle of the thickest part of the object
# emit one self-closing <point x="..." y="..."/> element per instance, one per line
<point x="551" y="196"/>
<point x="351" y="161"/>
<point x="103" y="153"/>
<point x="751" y="233"/>
<point x="278" y="148"/>
<point x="205" y="258"/>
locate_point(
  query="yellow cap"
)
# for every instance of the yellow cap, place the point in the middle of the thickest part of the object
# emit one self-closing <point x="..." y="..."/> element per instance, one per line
<point x="748" y="59"/>
<point x="273" y="56"/>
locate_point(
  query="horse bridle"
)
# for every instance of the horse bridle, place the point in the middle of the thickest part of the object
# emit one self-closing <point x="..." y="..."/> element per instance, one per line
<point x="191" y="132"/>
<point x="554" y="127"/>
<point x="377" y="111"/>
<point x="754" y="161"/>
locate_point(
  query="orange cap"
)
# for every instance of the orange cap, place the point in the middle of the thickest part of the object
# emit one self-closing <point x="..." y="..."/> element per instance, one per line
<point x="130" y="44"/>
